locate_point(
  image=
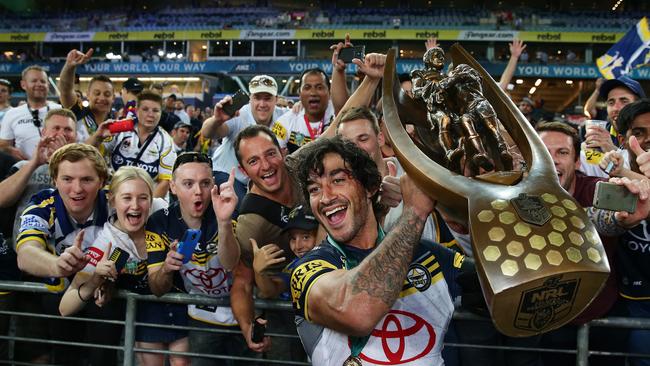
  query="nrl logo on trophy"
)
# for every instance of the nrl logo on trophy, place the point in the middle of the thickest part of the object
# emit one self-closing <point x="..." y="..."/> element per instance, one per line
<point x="539" y="258"/>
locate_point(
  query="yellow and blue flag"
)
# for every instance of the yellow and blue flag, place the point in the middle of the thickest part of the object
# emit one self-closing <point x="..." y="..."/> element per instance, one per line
<point x="631" y="51"/>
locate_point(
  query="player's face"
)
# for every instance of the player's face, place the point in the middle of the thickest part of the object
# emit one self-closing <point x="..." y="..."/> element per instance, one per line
<point x="262" y="106"/>
<point x="314" y="94"/>
<point x="339" y="202"/>
<point x="560" y="146"/>
<point x="263" y="163"/>
<point x="132" y="202"/>
<point x="78" y="184"/>
<point x="100" y="96"/>
<point x="192" y="183"/>
<point x="361" y="133"/>
<point x="149" y="113"/>
<point x="301" y="241"/>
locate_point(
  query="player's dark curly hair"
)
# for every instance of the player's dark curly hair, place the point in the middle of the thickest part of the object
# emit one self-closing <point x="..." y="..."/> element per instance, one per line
<point x="362" y="167"/>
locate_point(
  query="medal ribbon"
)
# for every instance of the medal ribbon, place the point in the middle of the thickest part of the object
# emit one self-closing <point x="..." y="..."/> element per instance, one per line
<point x="356" y="343"/>
<point x="314" y="133"/>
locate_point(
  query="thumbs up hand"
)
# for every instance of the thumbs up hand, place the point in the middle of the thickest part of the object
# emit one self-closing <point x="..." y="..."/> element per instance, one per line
<point x="390" y="190"/>
<point x="642" y="156"/>
<point x="73" y="259"/>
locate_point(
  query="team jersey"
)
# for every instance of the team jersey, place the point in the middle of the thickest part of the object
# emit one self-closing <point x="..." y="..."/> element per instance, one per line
<point x="413" y="330"/>
<point x="18" y="125"/>
<point x="86" y="124"/>
<point x="203" y="274"/>
<point x="157" y="160"/>
<point x="46" y="221"/>
<point x="294" y="130"/>
<point x="133" y="276"/>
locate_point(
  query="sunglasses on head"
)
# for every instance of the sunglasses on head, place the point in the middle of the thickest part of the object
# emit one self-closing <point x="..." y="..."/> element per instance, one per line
<point x="191" y="157"/>
<point x="36" y="119"/>
<point x="261" y="81"/>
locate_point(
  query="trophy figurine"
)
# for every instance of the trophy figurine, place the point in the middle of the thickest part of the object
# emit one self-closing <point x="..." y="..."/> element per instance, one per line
<point x="539" y="258"/>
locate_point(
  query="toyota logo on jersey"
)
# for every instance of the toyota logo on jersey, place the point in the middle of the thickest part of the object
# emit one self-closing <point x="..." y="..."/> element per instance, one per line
<point x="213" y="281"/>
<point x="403" y="337"/>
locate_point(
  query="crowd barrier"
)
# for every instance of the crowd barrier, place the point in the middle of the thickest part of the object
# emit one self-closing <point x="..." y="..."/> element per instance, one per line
<point x="128" y="348"/>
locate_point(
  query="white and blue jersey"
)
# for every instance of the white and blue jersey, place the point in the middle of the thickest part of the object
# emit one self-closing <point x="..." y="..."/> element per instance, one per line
<point x="46" y="221"/>
<point x="157" y="160"/>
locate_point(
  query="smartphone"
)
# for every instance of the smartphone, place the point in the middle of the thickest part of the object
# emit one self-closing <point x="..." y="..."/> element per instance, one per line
<point x="121" y="126"/>
<point x="258" y="330"/>
<point x="188" y="243"/>
<point x="239" y="100"/>
<point x="119" y="257"/>
<point x="347" y="54"/>
<point x="612" y="197"/>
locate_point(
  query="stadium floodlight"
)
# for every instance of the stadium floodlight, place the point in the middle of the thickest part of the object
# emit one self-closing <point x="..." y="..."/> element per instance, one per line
<point x="161" y="53"/>
<point x="179" y="56"/>
<point x="538" y="82"/>
<point x="532" y="90"/>
<point x="569" y="82"/>
<point x="519" y="81"/>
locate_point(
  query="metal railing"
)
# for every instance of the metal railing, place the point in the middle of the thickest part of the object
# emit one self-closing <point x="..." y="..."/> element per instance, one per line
<point x="582" y="351"/>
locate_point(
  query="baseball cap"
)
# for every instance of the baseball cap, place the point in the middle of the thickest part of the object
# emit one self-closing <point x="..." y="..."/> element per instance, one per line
<point x="263" y="84"/>
<point x="182" y="124"/>
<point x="301" y="218"/>
<point x="527" y="101"/>
<point x="624" y="81"/>
<point x="191" y="157"/>
<point x="133" y="85"/>
<point x="173" y="96"/>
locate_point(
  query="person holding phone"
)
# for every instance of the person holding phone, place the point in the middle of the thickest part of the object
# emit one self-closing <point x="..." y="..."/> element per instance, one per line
<point x="118" y="258"/>
<point x="147" y="146"/>
<point x="205" y="267"/>
<point x="632" y="228"/>
<point x="261" y="109"/>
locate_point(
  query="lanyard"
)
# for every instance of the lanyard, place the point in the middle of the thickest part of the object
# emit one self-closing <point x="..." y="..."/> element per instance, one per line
<point x="314" y="133"/>
<point x="356" y="343"/>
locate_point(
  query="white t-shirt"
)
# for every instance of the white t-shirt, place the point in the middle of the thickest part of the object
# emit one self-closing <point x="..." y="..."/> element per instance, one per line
<point x="590" y="160"/>
<point x="18" y="125"/>
<point x="292" y="131"/>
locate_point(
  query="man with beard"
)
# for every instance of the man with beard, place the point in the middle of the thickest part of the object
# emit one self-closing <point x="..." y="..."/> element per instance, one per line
<point x="296" y="129"/>
<point x="21" y="126"/>
<point x="201" y="205"/>
<point x="100" y="95"/>
<point x="261" y="110"/>
<point x="346" y="288"/>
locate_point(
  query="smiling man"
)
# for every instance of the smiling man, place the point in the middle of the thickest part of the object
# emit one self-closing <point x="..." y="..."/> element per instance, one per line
<point x="100" y="95"/>
<point x="294" y="130"/>
<point x="261" y="110"/>
<point x="21" y="126"/>
<point x="359" y="279"/>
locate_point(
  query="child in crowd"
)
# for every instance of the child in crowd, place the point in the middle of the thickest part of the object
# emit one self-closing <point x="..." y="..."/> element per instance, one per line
<point x="118" y="258"/>
<point x="302" y="229"/>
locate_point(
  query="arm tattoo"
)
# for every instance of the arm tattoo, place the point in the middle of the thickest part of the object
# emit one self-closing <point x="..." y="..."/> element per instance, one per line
<point x="605" y="222"/>
<point x="382" y="274"/>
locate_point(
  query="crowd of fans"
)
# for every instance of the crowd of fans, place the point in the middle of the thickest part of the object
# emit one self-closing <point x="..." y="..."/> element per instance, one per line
<point x="270" y="202"/>
<point x="250" y="17"/>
